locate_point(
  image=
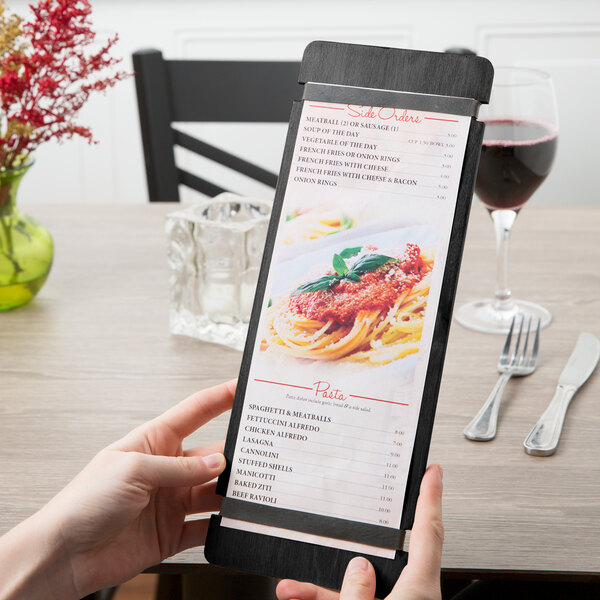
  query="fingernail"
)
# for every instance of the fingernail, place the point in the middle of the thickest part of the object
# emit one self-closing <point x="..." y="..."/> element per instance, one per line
<point x="357" y="565"/>
<point x="214" y="461"/>
<point x="441" y="471"/>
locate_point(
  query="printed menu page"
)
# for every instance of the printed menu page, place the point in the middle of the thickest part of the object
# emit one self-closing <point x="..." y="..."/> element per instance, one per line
<point x="340" y="358"/>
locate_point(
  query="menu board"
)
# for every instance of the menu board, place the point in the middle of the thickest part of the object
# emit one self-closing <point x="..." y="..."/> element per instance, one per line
<point x="342" y="347"/>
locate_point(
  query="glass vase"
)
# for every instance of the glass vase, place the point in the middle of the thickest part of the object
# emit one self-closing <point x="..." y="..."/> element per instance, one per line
<point x="26" y="247"/>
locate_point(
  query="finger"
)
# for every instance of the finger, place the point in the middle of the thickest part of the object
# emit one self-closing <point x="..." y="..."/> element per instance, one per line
<point x="193" y="412"/>
<point x="193" y="534"/>
<point x="176" y="471"/>
<point x="288" y="589"/>
<point x="202" y="498"/>
<point x="426" y="538"/>
<point x="206" y="450"/>
<point x="359" y="580"/>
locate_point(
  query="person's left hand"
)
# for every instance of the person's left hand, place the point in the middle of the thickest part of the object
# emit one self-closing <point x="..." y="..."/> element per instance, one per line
<point x="126" y="510"/>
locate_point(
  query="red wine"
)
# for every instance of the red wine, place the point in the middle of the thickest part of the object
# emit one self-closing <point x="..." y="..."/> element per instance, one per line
<point x="515" y="159"/>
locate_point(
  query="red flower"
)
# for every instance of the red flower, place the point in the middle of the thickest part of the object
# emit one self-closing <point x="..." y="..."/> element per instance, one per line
<point x="44" y="83"/>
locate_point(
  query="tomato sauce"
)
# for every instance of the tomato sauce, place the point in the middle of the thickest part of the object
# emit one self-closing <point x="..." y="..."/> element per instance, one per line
<point x="377" y="290"/>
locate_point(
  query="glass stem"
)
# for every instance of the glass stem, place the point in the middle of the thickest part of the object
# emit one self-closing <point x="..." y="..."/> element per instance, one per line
<point x="503" y="222"/>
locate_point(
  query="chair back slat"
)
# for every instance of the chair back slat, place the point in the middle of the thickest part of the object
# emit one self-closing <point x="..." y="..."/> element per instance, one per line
<point x="224" y="158"/>
<point x="198" y="184"/>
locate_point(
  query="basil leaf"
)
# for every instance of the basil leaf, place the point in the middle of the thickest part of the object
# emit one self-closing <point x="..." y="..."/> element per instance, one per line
<point x="352" y="276"/>
<point x="339" y="264"/>
<point x="369" y="262"/>
<point x="350" y="252"/>
<point x="316" y="285"/>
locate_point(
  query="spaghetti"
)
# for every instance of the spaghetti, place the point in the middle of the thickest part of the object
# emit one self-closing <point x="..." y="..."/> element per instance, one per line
<point x="368" y="309"/>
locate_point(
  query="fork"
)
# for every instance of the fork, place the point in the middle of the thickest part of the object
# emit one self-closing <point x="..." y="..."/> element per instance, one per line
<point x="516" y="364"/>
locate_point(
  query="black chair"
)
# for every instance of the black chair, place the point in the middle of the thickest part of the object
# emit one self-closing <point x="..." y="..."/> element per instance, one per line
<point x="171" y="91"/>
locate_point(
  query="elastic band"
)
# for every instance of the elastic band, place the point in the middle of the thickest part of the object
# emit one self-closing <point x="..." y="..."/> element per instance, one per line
<point x="341" y="529"/>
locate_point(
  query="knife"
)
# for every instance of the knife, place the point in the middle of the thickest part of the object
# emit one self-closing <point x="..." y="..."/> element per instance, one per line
<point x="543" y="438"/>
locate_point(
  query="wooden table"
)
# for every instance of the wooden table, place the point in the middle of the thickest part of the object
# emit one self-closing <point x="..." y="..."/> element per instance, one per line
<point x="92" y="357"/>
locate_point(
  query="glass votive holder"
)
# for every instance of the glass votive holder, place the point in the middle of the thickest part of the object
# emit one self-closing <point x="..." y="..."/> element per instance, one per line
<point x="215" y="248"/>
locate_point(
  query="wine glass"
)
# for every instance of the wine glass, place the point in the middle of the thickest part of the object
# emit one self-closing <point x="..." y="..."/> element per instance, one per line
<point x="521" y="132"/>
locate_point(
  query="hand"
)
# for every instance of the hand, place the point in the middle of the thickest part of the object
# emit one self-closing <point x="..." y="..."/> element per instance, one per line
<point x="125" y="511"/>
<point x="420" y="579"/>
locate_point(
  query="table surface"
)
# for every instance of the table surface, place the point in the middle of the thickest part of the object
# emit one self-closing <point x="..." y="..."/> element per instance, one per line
<point x="92" y="357"/>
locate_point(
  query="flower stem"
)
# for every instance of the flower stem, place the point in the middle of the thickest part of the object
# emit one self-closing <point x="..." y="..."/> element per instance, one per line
<point x="7" y="249"/>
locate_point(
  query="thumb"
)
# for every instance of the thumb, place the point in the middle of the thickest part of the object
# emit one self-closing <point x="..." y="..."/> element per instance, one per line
<point x="359" y="580"/>
<point x="181" y="471"/>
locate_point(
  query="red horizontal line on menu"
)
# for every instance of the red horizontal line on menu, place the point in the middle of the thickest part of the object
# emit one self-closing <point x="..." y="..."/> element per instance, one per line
<point x="378" y="400"/>
<point x="301" y="387"/>
<point x="447" y="120"/>
<point x="330" y="107"/>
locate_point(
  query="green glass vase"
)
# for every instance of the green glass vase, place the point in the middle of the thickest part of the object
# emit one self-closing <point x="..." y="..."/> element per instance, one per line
<point x="26" y="247"/>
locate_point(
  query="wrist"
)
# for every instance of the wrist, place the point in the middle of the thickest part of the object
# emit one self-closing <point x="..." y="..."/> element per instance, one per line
<point x="34" y="563"/>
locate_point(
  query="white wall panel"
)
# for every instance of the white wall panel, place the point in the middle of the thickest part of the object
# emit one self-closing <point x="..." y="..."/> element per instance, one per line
<point x="281" y="43"/>
<point x="562" y="37"/>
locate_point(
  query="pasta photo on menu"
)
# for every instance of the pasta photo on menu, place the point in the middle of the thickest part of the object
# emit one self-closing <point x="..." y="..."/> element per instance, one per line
<point x="364" y="305"/>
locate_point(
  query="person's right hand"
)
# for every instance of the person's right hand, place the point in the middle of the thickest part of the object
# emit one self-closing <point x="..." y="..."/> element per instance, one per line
<point x="420" y="579"/>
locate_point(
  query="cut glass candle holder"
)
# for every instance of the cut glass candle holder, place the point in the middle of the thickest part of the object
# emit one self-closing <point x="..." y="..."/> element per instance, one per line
<point x="214" y="253"/>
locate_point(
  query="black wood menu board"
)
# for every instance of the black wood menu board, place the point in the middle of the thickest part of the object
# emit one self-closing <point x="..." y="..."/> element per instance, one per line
<point x="332" y="419"/>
